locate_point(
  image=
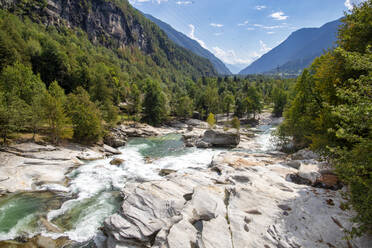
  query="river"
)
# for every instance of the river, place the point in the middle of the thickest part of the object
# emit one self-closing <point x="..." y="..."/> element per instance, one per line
<point x="93" y="191"/>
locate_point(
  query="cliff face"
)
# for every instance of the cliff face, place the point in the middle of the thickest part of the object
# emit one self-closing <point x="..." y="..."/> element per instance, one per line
<point x="103" y="21"/>
<point x="114" y="24"/>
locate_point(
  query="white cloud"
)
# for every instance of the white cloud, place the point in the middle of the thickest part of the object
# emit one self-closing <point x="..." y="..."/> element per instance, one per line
<point x="263" y="47"/>
<point x="279" y="16"/>
<point x="218" y="34"/>
<point x="260" y="7"/>
<point x="230" y="57"/>
<point x="192" y="36"/>
<point x="349" y="3"/>
<point x="216" y="25"/>
<point x="243" y="23"/>
<point x="184" y="2"/>
<point x="250" y="29"/>
<point x="270" y="32"/>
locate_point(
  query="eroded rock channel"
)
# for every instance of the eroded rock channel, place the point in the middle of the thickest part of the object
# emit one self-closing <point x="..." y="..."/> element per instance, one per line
<point x="160" y="193"/>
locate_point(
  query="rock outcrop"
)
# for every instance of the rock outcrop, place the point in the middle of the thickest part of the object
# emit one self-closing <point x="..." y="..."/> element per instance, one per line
<point x="234" y="203"/>
<point x="220" y="138"/>
<point x="212" y="138"/>
<point x="29" y="166"/>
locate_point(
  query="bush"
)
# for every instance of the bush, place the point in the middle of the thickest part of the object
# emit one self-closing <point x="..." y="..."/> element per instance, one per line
<point x="211" y="120"/>
<point x="235" y="123"/>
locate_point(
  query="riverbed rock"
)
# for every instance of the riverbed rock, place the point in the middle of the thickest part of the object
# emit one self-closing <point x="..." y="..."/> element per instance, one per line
<point x="29" y="166"/>
<point x="90" y="155"/>
<point x="115" y="138"/>
<point x="116" y="161"/>
<point x="111" y="150"/>
<point x="165" y="172"/>
<point x="202" y="144"/>
<point x="244" y="206"/>
<point x="304" y="154"/>
<point x="220" y="138"/>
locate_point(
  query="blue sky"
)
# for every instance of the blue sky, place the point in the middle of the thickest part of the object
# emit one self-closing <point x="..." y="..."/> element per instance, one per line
<point x="240" y="31"/>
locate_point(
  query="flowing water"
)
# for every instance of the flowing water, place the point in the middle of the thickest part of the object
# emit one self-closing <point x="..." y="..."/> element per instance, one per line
<point x="78" y="211"/>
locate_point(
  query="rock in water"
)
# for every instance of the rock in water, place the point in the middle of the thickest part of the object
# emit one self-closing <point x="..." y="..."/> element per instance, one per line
<point x="116" y="161"/>
<point x="220" y="138"/>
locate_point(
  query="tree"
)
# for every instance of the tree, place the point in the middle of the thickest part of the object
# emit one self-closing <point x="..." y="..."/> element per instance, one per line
<point x="235" y="123"/>
<point x="184" y="107"/>
<point x="36" y="113"/>
<point x="58" y="121"/>
<point x="228" y="101"/>
<point x="280" y="100"/>
<point x="85" y="116"/>
<point x="135" y="101"/>
<point x="355" y="33"/>
<point x="211" y="120"/>
<point x="21" y="81"/>
<point x="255" y="105"/>
<point x="155" y="103"/>
<point x="12" y="114"/>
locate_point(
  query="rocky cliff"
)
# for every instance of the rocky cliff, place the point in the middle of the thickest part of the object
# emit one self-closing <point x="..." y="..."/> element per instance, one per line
<point x="114" y="24"/>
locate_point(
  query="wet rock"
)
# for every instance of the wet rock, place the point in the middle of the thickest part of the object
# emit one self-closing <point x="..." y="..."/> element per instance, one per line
<point x="294" y="164"/>
<point x="202" y="144"/>
<point x="90" y="155"/>
<point x="177" y="124"/>
<point x="166" y="172"/>
<point x="220" y="138"/>
<point x="111" y="150"/>
<point x="116" y="138"/>
<point x="284" y="207"/>
<point x="295" y="178"/>
<point x="304" y="154"/>
<point x="117" y="161"/>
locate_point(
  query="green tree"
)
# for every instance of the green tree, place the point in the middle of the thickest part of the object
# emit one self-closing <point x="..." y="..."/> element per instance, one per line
<point x="155" y="103"/>
<point x="21" y="81"/>
<point x="280" y="100"/>
<point x="85" y="116"/>
<point x="12" y="114"/>
<point x="184" y="107"/>
<point x="228" y="101"/>
<point x="135" y="101"/>
<point x="36" y="112"/>
<point x="54" y="103"/>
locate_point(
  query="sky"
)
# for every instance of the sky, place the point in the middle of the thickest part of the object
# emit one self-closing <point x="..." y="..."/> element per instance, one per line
<point x="240" y="31"/>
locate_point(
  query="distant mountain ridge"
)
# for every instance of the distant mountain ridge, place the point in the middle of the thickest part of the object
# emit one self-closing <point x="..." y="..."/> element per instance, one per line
<point x="190" y="44"/>
<point x="297" y="51"/>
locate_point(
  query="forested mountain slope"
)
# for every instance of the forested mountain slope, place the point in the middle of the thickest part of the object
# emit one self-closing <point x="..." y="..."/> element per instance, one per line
<point x="116" y="25"/>
<point x="297" y="51"/>
<point x="190" y="44"/>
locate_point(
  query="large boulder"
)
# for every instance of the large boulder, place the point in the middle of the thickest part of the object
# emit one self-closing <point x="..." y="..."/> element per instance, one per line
<point x="220" y="138"/>
<point x="116" y="138"/>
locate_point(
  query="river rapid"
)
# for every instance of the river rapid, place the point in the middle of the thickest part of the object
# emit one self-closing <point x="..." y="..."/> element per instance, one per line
<point x="93" y="193"/>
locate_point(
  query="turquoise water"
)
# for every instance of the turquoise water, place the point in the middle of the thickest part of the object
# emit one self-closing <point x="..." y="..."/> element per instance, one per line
<point x="20" y="213"/>
<point x="93" y="192"/>
<point x="159" y="147"/>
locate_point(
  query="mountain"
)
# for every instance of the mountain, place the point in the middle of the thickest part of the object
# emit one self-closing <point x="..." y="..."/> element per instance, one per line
<point x="190" y="44"/>
<point x="235" y="69"/>
<point x="297" y="51"/>
<point x="143" y="49"/>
